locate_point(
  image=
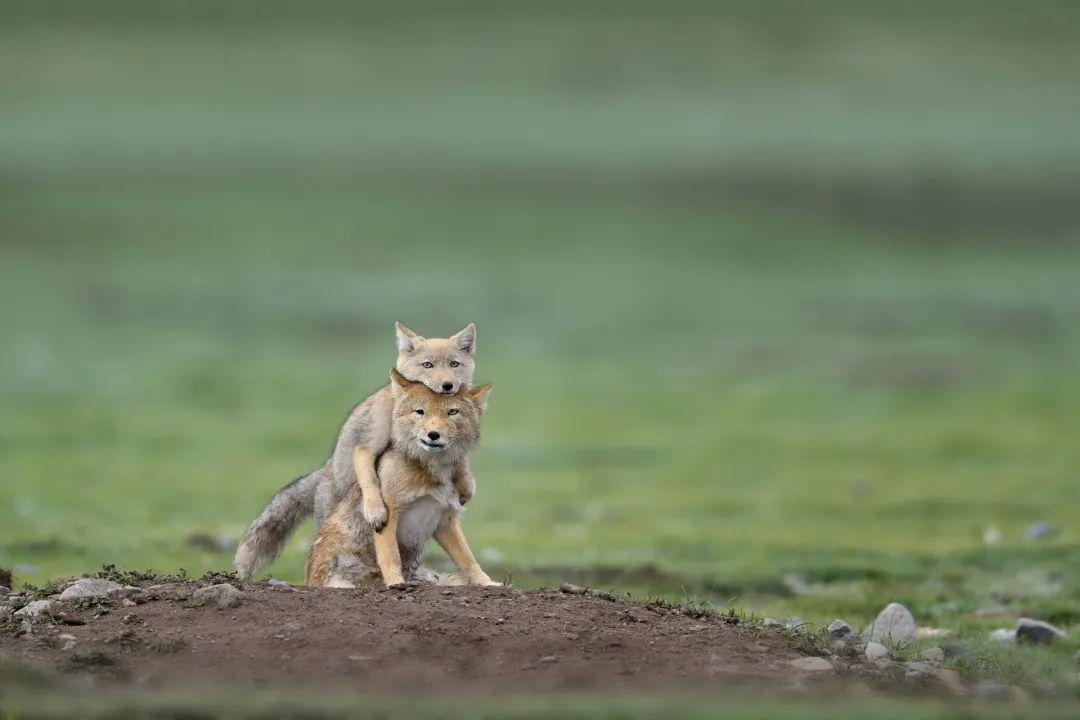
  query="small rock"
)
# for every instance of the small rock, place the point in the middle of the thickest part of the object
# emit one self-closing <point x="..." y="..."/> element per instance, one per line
<point x="274" y="582"/>
<point x="34" y="609"/>
<point x="933" y="654"/>
<point x="548" y="659"/>
<point x="876" y="651"/>
<point x="4" y="591"/>
<point x="811" y="664"/>
<point x="1036" y="631"/>
<point x="950" y="680"/>
<point x="895" y="623"/>
<point x="91" y="588"/>
<point x="570" y="589"/>
<point x="919" y="666"/>
<point x="771" y="622"/>
<point x="66" y="636"/>
<point x="223" y="596"/>
<point x="792" y="622"/>
<point x="1004" y="635"/>
<point x="839" y="629"/>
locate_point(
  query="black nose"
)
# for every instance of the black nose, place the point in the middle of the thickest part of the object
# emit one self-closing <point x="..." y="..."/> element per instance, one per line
<point x="433" y="435"/>
<point x="448" y="386"/>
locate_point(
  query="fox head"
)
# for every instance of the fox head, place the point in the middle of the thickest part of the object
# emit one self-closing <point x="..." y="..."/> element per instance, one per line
<point x="430" y="423"/>
<point x="445" y="365"/>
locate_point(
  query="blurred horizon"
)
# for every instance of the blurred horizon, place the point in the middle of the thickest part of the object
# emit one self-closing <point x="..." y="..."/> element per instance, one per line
<point x="770" y="292"/>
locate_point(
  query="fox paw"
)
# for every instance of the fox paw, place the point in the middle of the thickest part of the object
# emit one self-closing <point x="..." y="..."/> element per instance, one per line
<point x="375" y="516"/>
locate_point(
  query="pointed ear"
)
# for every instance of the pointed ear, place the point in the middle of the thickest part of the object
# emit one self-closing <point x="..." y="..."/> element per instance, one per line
<point x="466" y="339"/>
<point x="406" y="338"/>
<point x="479" y="396"/>
<point x="398" y="383"/>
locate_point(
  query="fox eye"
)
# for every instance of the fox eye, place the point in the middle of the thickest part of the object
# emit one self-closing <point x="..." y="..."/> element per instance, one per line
<point x="427" y="365"/>
<point x="418" y="411"/>
<point x="455" y="363"/>
<point x="452" y="411"/>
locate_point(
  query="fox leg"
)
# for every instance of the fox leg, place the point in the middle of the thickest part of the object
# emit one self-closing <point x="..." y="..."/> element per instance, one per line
<point x="373" y="508"/>
<point x="387" y="553"/>
<point x="452" y="540"/>
<point x="464" y="482"/>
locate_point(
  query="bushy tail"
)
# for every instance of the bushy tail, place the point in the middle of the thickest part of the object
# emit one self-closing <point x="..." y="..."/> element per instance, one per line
<point x="265" y="536"/>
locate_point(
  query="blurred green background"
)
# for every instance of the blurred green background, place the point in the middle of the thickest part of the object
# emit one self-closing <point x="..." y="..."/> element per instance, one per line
<point x="780" y="299"/>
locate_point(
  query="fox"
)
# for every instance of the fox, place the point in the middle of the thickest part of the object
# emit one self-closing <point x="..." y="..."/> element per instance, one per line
<point x="445" y="366"/>
<point x="431" y="435"/>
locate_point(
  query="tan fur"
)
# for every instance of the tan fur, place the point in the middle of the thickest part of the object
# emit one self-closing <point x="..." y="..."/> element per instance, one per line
<point x="417" y="486"/>
<point x="363" y="437"/>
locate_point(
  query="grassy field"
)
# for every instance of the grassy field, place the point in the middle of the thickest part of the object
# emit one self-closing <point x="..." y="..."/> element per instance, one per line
<point x="780" y="304"/>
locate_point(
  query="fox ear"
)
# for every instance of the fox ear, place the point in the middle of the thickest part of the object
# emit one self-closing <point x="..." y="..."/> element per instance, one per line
<point x="466" y="339"/>
<point x="406" y="338"/>
<point x="398" y="383"/>
<point x="479" y="396"/>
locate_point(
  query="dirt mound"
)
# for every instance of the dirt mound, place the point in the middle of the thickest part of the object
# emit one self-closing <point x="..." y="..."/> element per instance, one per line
<point x="424" y="639"/>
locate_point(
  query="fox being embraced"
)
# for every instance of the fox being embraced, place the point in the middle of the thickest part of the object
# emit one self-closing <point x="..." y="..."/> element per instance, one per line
<point x="446" y="367"/>
<point x="431" y="434"/>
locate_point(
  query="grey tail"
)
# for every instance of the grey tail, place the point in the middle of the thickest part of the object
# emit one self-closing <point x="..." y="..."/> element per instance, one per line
<point x="267" y="534"/>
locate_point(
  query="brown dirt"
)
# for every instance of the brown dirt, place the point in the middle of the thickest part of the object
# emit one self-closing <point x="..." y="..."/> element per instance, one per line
<point x="428" y="638"/>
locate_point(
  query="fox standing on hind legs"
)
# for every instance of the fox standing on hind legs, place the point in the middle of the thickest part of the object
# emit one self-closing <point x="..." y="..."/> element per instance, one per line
<point x="431" y="435"/>
<point x="446" y="366"/>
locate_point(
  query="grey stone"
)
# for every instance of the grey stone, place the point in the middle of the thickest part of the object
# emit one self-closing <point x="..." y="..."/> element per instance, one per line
<point x="571" y="589"/>
<point x="91" y="588"/>
<point x="4" y="591"/>
<point x="919" y="666"/>
<point x="274" y="582"/>
<point x="771" y="622"/>
<point x="895" y="623"/>
<point x="793" y="622"/>
<point x="1004" y="635"/>
<point x="34" y="609"/>
<point x="1036" y="631"/>
<point x="933" y="654"/>
<point x="839" y="629"/>
<point x="222" y="596"/>
<point x="811" y="664"/>
<point x="876" y="651"/>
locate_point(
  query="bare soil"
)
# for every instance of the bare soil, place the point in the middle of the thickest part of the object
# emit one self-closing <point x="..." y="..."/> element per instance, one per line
<point x="421" y="639"/>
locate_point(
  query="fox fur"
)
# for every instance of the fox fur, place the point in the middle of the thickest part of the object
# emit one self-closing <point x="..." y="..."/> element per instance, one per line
<point x="445" y="366"/>
<point x="432" y="434"/>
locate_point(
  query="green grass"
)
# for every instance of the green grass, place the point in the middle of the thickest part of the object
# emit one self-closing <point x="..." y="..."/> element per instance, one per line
<point x="771" y="298"/>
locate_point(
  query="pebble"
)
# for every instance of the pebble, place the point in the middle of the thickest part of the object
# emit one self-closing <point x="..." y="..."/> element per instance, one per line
<point x="274" y="582"/>
<point x="570" y="589"/>
<point x="933" y="654"/>
<point x="222" y="595"/>
<point x="793" y="622"/>
<point x="4" y="591"/>
<point x="34" y="609"/>
<point x="876" y="651"/>
<point x="838" y="629"/>
<point x="1037" y="631"/>
<point x="811" y="664"/>
<point x="895" y="623"/>
<point x="770" y="622"/>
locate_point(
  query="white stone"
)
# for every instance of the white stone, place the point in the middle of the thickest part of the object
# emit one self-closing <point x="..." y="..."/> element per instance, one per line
<point x="811" y="664"/>
<point x="34" y="609"/>
<point x="876" y="651"/>
<point x="1004" y="635"/>
<point x="895" y="624"/>
<point x="90" y="587"/>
